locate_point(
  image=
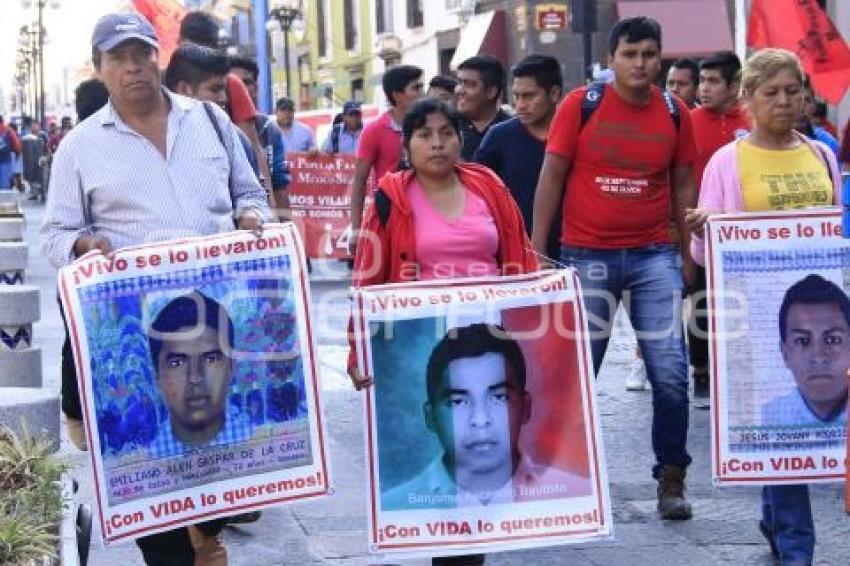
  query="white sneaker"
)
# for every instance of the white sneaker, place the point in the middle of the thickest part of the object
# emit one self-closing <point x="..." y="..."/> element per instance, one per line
<point x="636" y="380"/>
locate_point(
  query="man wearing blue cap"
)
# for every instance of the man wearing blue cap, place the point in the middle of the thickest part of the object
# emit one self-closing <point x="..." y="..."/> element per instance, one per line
<point x="344" y="134"/>
<point x="149" y="166"/>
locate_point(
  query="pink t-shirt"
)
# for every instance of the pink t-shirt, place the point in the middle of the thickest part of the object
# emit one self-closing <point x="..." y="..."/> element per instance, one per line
<point x="463" y="247"/>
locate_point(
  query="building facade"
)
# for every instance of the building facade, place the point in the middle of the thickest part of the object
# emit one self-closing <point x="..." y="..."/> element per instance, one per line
<point x="332" y="58"/>
<point x="416" y="32"/>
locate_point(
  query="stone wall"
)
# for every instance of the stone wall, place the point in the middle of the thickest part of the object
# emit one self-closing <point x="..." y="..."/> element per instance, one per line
<point x="24" y="403"/>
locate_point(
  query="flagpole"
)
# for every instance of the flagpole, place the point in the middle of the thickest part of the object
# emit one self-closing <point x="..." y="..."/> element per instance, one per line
<point x="741" y="29"/>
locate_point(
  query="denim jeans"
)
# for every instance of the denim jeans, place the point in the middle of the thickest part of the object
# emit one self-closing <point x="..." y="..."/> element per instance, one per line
<point x="649" y="282"/>
<point x="6" y="176"/>
<point x="787" y="520"/>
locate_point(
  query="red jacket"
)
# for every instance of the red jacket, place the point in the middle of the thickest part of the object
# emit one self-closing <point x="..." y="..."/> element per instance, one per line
<point x="12" y="138"/>
<point x="386" y="248"/>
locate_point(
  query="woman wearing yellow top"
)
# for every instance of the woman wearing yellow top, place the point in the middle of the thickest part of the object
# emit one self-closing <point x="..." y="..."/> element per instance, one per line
<point x="773" y="168"/>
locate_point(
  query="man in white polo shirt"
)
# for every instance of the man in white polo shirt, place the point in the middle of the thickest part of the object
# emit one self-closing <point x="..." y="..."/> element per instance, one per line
<point x="149" y="166"/>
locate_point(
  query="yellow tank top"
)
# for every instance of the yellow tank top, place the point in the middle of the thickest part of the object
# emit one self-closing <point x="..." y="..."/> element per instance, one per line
<point x="782" y="179"/>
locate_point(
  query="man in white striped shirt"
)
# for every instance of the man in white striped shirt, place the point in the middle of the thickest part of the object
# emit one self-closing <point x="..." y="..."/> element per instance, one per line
<point x="149" y="166"/>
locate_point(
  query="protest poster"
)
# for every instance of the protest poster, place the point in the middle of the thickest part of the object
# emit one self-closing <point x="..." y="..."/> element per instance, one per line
<point x="320" y="200"/>
<point x="197" y="378"/>
<point x="779" y="326"/>
<point x="481" y="425"/>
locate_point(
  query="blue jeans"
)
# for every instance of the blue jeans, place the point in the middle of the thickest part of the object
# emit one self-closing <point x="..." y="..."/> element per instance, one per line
<point x="6" y="173"/>
<point x="649" y="282"/>
<point x="787" y="520"/>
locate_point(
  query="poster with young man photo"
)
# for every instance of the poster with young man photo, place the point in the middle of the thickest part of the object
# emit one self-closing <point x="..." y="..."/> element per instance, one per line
<point x="198" y="378"/>
<point x="481" y="425"/>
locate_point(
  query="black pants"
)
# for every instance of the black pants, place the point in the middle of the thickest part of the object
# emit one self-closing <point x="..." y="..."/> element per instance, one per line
<point x="174" y="548"/>
<point x="70" y="392"/>
<point x="171" y="548"/>
<point x="698" y="345"/>
<point x="467" y="560"/>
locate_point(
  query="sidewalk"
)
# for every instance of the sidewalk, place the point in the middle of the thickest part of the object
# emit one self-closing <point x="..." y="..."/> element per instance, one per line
<point x="332" y="531"/>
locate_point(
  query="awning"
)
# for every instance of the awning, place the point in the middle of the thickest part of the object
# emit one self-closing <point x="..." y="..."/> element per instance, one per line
<point x="689" y="28"/>
<point x="483" y="34"/>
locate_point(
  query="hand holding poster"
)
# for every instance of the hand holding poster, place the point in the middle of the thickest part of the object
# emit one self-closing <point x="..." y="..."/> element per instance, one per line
<point x="198" y="378"/>
<point x="481" y="425"/>
<point x="780" y="330"/>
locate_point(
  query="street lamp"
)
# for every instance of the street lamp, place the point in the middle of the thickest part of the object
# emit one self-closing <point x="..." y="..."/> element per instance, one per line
<point x="283" y="14"/>
<point x="38" y="48"/>
<point x="28" y="55"/>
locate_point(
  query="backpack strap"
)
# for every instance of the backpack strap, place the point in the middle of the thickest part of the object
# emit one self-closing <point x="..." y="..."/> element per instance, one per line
<point x="593" y="98"/>
<point x="673" y="108"/>
<point x="591" y="101"/>
<point x="335" y="133"/>
<point x="211" y="115"/>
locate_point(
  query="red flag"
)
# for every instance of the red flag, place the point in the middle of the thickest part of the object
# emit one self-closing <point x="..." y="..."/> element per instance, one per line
<point x="165" y="16"/>
<point x="802" y="27"/>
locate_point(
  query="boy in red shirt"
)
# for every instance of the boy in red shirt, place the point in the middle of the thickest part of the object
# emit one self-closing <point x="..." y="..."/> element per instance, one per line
<point x="623" y="152"/>
<point x="379" y="147"/>
<point x="719" y="120"/>
<point x="722" y="117"/>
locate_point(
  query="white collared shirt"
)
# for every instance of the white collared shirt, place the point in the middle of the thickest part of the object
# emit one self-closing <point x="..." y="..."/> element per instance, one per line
<point x="110" y="180"/>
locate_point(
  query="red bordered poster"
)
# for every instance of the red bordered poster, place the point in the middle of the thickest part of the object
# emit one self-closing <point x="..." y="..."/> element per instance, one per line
<point x="198" y="378"/>
<point x="481" y="425"/>
<point x="779" y="326"/>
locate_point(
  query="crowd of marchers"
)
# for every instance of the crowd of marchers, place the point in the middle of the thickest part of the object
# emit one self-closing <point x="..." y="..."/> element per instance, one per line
<point x="620" y="173"/>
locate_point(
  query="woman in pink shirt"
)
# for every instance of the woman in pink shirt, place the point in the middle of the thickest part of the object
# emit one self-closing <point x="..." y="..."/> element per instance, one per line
<point x="439" y="219"/>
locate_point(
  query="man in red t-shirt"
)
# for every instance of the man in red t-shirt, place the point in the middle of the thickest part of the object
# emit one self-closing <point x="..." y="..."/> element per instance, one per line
<point x="379" y="148"/>
<point x="621" y="170"/>
<point x="721" y="119"/>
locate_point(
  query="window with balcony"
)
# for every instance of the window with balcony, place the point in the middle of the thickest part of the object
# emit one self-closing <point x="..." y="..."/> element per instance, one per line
<point x="383" y="16"/>
<point x="321" y="29"/>
<point x="415" y="15"/>
<point x="349" y="17"/>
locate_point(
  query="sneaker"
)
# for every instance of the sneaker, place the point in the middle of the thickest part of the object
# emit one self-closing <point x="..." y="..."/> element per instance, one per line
<point x="636" y="380"/>
<point x="671" y="493"/>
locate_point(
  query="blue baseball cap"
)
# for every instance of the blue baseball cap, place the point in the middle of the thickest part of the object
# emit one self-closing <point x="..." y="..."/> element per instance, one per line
<point x="114" y="29"/>
<point x="351" y="107"/>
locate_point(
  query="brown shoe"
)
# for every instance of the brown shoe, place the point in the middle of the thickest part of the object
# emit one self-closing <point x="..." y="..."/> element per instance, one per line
<point x="76" y="433"/>
<point x="671" y="493"/>
<point x="209" y="549"/>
